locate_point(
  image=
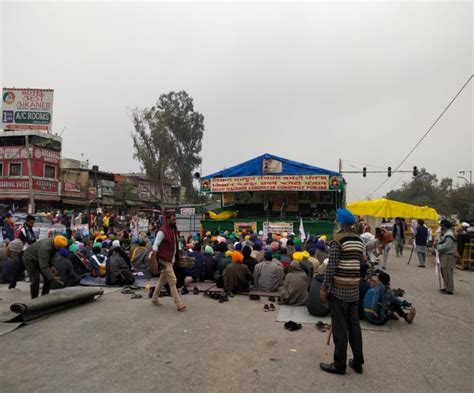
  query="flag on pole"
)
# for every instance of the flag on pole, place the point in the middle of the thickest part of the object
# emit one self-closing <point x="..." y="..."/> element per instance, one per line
<point x="302" y="234"/>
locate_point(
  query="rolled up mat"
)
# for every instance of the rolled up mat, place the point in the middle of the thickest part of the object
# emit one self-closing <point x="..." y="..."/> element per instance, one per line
<point x="58" y="300"/>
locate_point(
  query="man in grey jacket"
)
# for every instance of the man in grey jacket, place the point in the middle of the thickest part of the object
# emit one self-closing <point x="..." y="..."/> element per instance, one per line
<point x="267" y="275"/>
<point x="38" y="260"/>
<point x="446" y="247"/>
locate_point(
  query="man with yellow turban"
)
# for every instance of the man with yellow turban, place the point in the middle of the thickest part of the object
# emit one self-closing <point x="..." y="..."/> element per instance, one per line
<point x="38" y="259"/>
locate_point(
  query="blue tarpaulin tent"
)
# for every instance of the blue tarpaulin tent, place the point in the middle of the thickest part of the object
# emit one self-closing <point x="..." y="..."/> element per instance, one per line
<point x="254" y="167"/>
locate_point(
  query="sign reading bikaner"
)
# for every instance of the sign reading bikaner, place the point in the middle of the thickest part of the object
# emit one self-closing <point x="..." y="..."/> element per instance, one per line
<point x="27" y="109"/>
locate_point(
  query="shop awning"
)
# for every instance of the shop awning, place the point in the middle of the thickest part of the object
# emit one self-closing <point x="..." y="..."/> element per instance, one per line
<point x="387" y="208"/>
<point x="78" y="202"/>
<point x="134" y="203"/>
<point x="38" y="197"/>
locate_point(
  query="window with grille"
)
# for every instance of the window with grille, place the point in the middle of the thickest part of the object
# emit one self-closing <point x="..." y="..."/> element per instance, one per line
<point x="49" y="171"/>
<point x="15" y="169"/>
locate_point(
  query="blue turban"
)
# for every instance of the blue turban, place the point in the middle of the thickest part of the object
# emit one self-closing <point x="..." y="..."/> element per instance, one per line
<point x="257" y="246"/>
<point x="320" y="245"/>
<point x="238" y="246"/>
<point x="64" y="252"/>
<point x="298" y="247"/>
<point x="312" y="250"/>
<point x="345" y="217"/>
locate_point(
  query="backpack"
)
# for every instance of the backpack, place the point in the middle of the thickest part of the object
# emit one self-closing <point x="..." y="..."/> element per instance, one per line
<point x="373" y="301"/>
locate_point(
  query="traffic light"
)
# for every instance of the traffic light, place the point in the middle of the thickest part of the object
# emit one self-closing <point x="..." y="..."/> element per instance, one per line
<point x="389" y="171"/>
<point x="415" y="171"/>
<point x="364" y="171"/>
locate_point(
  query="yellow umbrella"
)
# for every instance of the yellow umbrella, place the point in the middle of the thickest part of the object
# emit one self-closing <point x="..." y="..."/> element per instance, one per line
<point x="386" y="208"/>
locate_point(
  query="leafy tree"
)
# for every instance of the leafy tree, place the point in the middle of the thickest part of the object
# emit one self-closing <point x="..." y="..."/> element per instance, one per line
<point x="153" y="149"/>
<point x="168" y="141"/>
<point x="462" y="200"/>
<point x="443" y="196"/>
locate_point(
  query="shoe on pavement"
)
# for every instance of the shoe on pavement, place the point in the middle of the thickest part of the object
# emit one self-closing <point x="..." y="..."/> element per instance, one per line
<point x="357" y="369"/>
<point x="331" y="368"/>
<point x="443" y="290"/>
<point x="411" y="315"/>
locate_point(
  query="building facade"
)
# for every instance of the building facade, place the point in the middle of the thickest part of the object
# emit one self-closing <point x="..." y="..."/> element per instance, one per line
<point x="30" y="169"/>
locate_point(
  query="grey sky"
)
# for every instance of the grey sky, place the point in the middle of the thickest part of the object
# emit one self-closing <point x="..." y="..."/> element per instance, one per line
<point x="313" y="82"/>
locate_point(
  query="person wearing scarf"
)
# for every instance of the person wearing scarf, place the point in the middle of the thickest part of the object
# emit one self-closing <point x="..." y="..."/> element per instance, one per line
<point x="237" y="275"/>
<point x="295" y="286"/>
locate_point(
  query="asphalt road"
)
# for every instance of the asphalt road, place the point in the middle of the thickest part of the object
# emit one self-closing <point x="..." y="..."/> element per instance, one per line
<point x="117" y="344"/>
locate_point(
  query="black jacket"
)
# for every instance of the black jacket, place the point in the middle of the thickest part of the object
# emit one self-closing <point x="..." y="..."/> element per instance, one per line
<point x="66" y="273"/>
<point x="27" y="235"/>
<point x="314" y="305"/>
<point x="421" y="237"/>
<point x="402" y="230"/>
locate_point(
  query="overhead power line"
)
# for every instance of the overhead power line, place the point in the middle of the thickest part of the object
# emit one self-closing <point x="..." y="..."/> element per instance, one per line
<point x="426" y="133"/>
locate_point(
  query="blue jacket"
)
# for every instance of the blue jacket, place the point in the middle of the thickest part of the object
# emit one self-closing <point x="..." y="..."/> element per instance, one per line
<point x="196" y="272"/>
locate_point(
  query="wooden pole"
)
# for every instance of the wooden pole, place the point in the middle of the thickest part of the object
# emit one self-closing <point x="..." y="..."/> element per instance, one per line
<point x="329" y="336"/>
<point x="411" y="254"/>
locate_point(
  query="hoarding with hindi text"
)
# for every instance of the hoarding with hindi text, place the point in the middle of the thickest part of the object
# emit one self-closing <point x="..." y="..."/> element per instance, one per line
<point x="272" y="183"/>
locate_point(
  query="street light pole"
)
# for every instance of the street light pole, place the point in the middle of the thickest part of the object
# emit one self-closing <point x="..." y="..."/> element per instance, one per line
<point x="470" y="176"/>
<point x="31" y="208"/>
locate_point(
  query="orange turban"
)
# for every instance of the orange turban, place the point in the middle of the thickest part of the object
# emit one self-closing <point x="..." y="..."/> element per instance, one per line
<point x="237" y="257"/>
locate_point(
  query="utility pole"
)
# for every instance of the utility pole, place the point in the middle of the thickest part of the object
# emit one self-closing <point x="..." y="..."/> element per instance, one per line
<point x="31" y="207"/>
<point x="470" y="176"/>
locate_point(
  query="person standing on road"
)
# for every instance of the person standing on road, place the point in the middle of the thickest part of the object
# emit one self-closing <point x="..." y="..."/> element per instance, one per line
<point x="38" y="259"/>
<point x="25" y="232"/>
<point x="106" y="223"/>
<point x="399" y="236"/>
<point x="421" y="241"/>
<point x="446" y="247"/>
<point x="166" y="249"/>
<point x="341" y="286"/>
<point x="384" y="242"/>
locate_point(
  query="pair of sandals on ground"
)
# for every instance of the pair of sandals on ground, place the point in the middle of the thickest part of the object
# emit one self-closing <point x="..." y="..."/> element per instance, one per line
<point x="130" y="290"/>
<point x="269" y="306"/>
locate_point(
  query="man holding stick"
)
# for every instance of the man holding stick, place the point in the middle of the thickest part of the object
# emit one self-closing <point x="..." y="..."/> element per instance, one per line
<point x="341" y="286"/>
